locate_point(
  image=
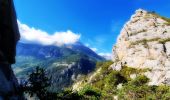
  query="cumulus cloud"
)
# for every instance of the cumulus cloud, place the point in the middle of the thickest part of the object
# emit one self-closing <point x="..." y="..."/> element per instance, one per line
<point x="107" y="56"/>
<point x="30" y="34"/>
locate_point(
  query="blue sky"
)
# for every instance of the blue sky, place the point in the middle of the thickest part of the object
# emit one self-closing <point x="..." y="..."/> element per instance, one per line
<point x="97" y="21"/>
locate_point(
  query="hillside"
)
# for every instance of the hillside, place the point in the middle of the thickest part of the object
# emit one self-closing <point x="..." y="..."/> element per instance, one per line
<point x="125" y="84"/>
<point x="65" y="64"/>
<point x="140" y="66"/>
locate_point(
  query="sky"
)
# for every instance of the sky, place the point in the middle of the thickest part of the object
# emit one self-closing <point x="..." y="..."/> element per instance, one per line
<point x="95" y="23"/>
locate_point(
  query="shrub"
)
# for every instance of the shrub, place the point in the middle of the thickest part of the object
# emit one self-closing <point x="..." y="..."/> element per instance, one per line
<point x="135" y="89"/>
<point x="140" y="80"/>
<point x="90" y="92"/>
<point x="68" y="94"/>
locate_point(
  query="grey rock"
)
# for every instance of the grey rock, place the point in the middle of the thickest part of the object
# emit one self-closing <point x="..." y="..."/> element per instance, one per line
<point x="9" y="35"/>
<point x="144" y="42"/>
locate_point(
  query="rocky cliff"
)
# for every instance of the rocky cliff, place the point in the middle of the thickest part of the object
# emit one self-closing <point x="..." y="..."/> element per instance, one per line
<point x="9" y="35"/>
<point x="144" y="42"/>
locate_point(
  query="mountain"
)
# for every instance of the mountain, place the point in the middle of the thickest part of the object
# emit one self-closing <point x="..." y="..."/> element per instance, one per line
<point x="140" y="66"/>
<point x="144" y="42"/>
<point x="40" y="51"/>
<point x="65" y="64"/>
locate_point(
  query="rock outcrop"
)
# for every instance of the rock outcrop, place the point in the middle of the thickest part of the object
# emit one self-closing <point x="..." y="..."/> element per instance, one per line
<point x="9" y="35"/>
<point x="144" y="42"/>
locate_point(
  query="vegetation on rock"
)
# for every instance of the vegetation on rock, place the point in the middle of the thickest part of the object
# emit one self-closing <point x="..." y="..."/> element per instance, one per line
<point x="112" y="84"/>
<point x="162" y="17"/>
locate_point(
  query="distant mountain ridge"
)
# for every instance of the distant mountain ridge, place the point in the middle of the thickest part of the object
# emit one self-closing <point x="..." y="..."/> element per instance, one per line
<point x="51" y="51"/>
<point x="65" y="64"/>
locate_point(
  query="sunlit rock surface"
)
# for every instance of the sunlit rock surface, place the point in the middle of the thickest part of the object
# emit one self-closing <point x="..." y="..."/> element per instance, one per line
<point x="144" y="42"/>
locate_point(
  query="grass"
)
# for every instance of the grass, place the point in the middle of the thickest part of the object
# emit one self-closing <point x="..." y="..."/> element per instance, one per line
<point x="144" y="41"/>
<point x="162" y="17"/>
<point x="164" y="40"/>
<point x="141" y="31"/>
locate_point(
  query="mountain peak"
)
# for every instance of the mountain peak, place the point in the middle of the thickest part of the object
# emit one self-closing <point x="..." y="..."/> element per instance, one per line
<point x="143" y="22"/>
<point x="139" y="11"/>
<point x="144" y="42"/>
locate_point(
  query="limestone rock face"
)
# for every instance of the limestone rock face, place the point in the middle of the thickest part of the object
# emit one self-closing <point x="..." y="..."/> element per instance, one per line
<point x="144" y="42"/>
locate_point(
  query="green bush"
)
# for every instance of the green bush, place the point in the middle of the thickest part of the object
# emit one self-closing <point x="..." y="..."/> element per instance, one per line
<point x="90" y="92"/>
<point x="103" y="88"/>
<point x="107" y="80"/>
<point x="68" y="94"/>
<point x="140" y="80"/>
<point x="135" y="89"/>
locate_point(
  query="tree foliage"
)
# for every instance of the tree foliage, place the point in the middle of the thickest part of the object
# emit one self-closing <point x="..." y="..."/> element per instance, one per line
<point x="37" y="84"/>
<point x="104" y="85"/>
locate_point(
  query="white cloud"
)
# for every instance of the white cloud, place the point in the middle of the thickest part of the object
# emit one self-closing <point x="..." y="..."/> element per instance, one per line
<point x="94" y="49"/>
<point x="87" y="45"/>
<point x="30" y="34"/>
<point x="107" y="56"/>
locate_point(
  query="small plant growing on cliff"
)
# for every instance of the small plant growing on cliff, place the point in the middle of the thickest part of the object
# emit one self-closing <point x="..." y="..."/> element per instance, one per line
<point x="90" y="93"/>
<point x="140" y="80"/>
